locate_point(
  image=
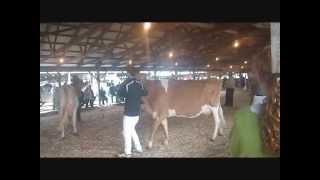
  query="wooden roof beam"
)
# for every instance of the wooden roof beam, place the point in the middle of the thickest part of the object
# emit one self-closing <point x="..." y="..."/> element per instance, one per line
<point x="56" y="32"/>
<point x="90" y="48"/>
<point x="120" y="40"/>
<point x="79" y="38"/>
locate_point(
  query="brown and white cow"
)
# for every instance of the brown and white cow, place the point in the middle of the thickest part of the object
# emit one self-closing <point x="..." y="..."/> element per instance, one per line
<point x="68" y="96"/>
<point x="183" y="98"/>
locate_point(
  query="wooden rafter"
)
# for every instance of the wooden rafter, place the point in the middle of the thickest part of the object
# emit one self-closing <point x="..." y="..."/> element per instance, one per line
<point x="111" y="46"/>
<point x="99" y="45"/>
<point x="78" y="38"/>
<point x="90" y="49"/>
<point x="195" y="43"/>
<point x="57" y="32"/>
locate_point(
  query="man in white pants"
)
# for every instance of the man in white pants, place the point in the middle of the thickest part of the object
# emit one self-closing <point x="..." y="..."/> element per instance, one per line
<point x="132" y="90"/>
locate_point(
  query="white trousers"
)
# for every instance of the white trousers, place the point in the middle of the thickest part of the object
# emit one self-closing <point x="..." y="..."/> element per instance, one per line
<point x="129" y="134"/>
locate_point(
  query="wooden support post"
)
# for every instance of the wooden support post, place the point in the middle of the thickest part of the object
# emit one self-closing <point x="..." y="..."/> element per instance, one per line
<point x="275" y="47"/>
<point x="193" y="75"/>
<point x="98" y="81"/>
<point x="69" y="78"/>
<point x="176" y="74"/>
<point x="155" y="75"/>
<point x="59" y="79"/>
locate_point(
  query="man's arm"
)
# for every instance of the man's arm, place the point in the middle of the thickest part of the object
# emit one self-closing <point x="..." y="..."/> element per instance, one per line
<point x="144" y="92"/>
<point x="122" y="90"/>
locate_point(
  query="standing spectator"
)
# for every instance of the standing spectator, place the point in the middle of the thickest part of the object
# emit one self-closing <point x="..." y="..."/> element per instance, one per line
<point x="89" y="96"/>
<point x="112" y="92"/>
<point x="102" y="97"/>
<point x="117" y="90"/>
<point x="242" y="81"/>
<point x="230" y="85"/>
<point x="108" y="94"/>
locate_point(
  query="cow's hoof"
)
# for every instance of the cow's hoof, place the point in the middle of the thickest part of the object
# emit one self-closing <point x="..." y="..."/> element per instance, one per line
<point x="212" y="139"/>
<point x="75" y="133"/>
<point x="62" y="138"/>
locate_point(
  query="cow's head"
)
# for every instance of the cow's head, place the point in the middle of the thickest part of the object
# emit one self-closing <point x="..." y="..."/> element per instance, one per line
<point x="78" y="83"/>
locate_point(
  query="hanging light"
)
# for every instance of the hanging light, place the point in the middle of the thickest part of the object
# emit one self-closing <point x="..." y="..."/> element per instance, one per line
<point x="130" y="61"/>
<point x="176" y="63"/>
<point x="208" y="65"/>
<point x="147" y="26"/>
<point x="230" y="67"/>
<point x="236" y="44"/>
<point x="61" y="60"/>
<point x="217" y="59"/>
<point x="242" y="67"/>
<point x="245" y="62"/>
<point x="170" y="54"/>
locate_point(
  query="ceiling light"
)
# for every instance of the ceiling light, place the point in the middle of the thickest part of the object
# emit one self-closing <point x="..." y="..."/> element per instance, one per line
<point x="147" y="26"/>
<point x="236" y="44"/>
<point x="170" y="54"/>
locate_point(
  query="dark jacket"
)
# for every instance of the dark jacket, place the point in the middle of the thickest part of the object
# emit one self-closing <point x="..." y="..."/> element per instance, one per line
<point x="102" y="93"/>
<point x="112" y="90"/>
<point x="132" y="90"/>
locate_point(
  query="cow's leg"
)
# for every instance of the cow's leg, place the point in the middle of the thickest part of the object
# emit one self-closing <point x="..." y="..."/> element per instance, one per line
<point x="164" y="124"/>
<point x="223" y="122"/>
<point x="62" y="124"/>
<point x="74" y="117"/>
<point x="217" y="122"/>
<point x="155" y="126"/>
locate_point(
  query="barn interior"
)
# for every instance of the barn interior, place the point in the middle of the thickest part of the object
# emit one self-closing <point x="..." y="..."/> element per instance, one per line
<point x="101" y="53"/>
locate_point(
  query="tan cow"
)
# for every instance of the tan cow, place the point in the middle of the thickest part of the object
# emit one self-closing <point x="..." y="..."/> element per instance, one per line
<point x="180" y="98"/>
<point x="68" y="96"/>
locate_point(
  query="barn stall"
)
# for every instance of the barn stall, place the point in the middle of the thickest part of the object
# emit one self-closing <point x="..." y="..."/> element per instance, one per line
<point x="103" y="52"/>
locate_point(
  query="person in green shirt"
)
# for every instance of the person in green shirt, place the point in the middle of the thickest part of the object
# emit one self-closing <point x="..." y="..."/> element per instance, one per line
<point x="256" y="130"/>
<point x="245" y="136"/>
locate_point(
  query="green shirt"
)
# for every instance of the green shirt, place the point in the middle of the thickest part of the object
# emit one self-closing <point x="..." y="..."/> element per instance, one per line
<point x="245" y="137"/>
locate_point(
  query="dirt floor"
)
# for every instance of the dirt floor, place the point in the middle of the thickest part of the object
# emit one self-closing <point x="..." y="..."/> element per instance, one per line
<point x="100" y="134"/>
